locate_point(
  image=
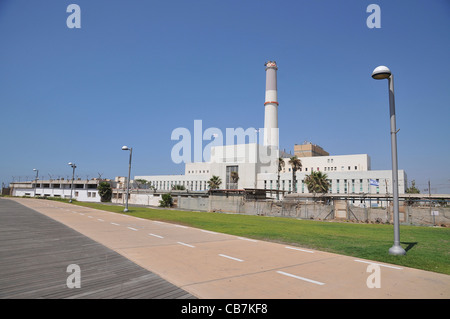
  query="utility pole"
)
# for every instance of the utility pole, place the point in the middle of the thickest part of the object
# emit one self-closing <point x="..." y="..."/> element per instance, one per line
<point x="429" y="199"/>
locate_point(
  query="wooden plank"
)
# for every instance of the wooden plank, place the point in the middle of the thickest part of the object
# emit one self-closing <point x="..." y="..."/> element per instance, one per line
<point x="36" y="250"/>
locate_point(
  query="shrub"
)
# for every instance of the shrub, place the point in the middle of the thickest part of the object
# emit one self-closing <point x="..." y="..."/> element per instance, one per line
<point x="167" y="201"/>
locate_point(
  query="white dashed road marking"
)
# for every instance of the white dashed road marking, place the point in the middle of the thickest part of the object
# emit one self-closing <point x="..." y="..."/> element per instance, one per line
<point x="229" y="257"/>
<point x="368" y="262"/>
<point x="304" y="250"/>
<point x="184" y="244"/>
<point x="301" y="278"/>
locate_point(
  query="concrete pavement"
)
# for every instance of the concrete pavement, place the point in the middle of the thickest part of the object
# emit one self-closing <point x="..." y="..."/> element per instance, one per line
<point x="220" y="266"/>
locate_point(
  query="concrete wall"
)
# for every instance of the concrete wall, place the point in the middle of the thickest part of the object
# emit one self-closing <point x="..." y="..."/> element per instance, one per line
<point x="338" y="210"/>
<point x="138" y="199"/>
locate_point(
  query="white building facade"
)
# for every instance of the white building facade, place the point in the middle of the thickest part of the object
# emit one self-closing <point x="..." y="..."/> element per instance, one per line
<point x="83" y="190"/>
<point x="257" y="165"/>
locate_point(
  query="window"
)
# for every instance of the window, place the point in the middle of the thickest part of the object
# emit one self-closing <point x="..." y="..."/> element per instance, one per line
<point x="360" y="185"/>
<point x="345" y="186"/>
<point x="230" y="182"/>
<point x="356" y="168"/>
<point x="337" y="186"/>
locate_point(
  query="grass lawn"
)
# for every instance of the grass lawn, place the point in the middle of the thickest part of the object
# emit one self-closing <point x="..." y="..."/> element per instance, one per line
<point x="428" y="248"/>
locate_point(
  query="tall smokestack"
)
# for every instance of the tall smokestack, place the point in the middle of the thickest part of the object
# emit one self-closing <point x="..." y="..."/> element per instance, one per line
<point x="271" y="106"/>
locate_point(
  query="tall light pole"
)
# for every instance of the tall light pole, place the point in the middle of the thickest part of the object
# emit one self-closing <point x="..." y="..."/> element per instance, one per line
<point x="35" y="180"/>
<point x="73" y="176"/>
<point x="381" y="73"/>
<point x="126" y="148"/>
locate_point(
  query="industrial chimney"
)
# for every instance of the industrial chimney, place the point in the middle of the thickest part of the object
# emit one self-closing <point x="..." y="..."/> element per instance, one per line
<point x="271" y="106"/>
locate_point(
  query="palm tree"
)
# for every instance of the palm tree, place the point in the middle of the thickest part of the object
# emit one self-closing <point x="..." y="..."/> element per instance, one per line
<point x="317" y="182"/>
<point x="214" y="182"/>
<point x="234" y="176"/>
<point x="296" y="164"/>
<point x="281" y="165"/>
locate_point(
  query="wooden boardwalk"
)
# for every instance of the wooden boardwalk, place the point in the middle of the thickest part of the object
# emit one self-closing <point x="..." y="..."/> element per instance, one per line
<point x="36" y="250"/>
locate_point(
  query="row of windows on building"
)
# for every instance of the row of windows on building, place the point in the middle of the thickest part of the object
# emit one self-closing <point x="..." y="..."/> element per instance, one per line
<point x="199" y="171"/>
<point x="190" y="185"/>
<point x="76" y="194"/>
<point x="325" y="169"/>
<point x="346" y="186"/>
<point x="65" y="186"/>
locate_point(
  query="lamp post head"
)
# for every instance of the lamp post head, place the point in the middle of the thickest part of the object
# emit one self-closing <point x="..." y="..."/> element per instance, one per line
<point x="34" y="169"/>
<point x="71" y="164"/>
<point x="381" y="72"/>
<point x="125" y="148"/>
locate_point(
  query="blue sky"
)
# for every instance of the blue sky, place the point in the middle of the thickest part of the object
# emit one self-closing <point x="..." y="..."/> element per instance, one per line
<point x="137" y="70"/>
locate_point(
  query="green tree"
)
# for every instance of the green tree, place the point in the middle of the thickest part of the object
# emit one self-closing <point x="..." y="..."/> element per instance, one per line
<point x="281" y="165"/>
<point x="296" y="164"/>
<point x="412" y="189"/>
<point x="234" y="176"/>
<point x="317" y="182"/>
<point x="140" y="182"/>
<point x="166" y="200"/>
<point x="105" y="191"/>
<point x="214" y="182"/>
<point x="178" y="187"/>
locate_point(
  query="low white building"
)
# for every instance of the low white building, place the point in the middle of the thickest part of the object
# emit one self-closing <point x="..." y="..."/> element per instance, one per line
<point x="83" y="190"/>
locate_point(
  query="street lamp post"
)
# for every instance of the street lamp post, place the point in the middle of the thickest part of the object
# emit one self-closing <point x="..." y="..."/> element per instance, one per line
<point x="73" y="176"/>
<point x="35" y="180"/>
<point x="380" y="73"/>
<point x="126" y="148"/>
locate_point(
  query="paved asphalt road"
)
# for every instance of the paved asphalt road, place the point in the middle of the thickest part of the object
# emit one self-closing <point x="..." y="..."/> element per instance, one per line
<point x="219" y="266"/>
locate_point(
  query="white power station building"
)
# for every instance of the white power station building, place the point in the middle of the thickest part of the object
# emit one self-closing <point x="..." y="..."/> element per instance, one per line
<point x="257" y="165"/>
